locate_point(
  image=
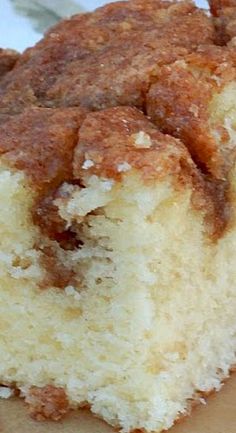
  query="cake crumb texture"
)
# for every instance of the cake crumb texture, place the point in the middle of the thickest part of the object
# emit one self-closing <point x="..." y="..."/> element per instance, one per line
<point x="117" y="216"/>
<point x="47" y="403"/>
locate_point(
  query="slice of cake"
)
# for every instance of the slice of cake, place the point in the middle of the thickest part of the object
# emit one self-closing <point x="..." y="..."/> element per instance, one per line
<point x="117" y="240"/>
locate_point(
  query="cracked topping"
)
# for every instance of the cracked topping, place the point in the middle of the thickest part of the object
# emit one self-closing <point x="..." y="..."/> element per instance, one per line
<point x="181" y="103"/>
<point x="98" y="86"/>
<point x="115" y="141"/>
<point x="110" y="143"/>
<point x="40" y="142"/>
<point x="53" y="146"/>
<point x="8" y="60"/>
<point x="224" y="12"/>
<point x="140" y="53"/>
<point x="84" y="37"/>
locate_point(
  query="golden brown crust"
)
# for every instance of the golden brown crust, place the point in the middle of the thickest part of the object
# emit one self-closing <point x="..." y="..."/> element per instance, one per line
<point x="224" y="12"/>
<point x="40" y="142"/>
<point x="111" y="142"/>
<point x="179" y="104"/>
<point x="217" y="5"/>
<point x="75" y="42"/>
<point x="110" y="145"/>
<point x="136" y="39"/>
<point x="99" y="86"/>
<point x="8" y="60"/>
<point x="45" y="143"/>
<point x="47" y="403"/>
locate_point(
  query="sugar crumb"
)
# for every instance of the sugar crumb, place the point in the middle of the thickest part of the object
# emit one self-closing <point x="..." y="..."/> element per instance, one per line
<point x="88" y="163"/>
<point x="71" y="291"/>
<point x="124" y="166"/>
<point x="142" y="140"/>
<point x="6" y="392"/>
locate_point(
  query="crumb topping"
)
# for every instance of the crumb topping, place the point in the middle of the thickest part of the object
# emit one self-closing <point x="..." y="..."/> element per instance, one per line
<point x="47" y="403"/>
<point x="142" y="140"/>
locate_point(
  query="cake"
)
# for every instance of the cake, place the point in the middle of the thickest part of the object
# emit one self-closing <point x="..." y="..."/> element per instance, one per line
<point x="118" y="216"/>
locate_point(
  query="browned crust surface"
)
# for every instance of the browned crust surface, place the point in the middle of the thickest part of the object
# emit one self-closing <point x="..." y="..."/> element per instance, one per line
<point x="76" y="41"/>
<point x="47" y="403"/>
<point x="51" y="403"/>
<point x="108" y="139"/>
<point x="52" y="145"/>
<point x="122" y="54"/>
<point x="111" y="140"/>
<point x="178" y="102"/>
<point x="8" y="60"/>
<point x="76" y="64"/>
<point x="99" y="86"/>
<point x="168" y="35"/>
<point x="40" y="142"/>
<point x="224" y="12"/>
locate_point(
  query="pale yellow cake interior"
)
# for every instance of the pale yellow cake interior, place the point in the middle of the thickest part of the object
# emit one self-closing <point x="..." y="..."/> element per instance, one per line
<point x="151" y="319"/>
<point x="223" y="110"/>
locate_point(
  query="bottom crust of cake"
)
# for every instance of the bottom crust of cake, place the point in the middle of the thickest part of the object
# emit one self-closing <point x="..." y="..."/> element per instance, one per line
<point x="51" y="412"/>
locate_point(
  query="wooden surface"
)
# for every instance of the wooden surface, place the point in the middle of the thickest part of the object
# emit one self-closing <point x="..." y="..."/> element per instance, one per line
<point x="218" y="416"/>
